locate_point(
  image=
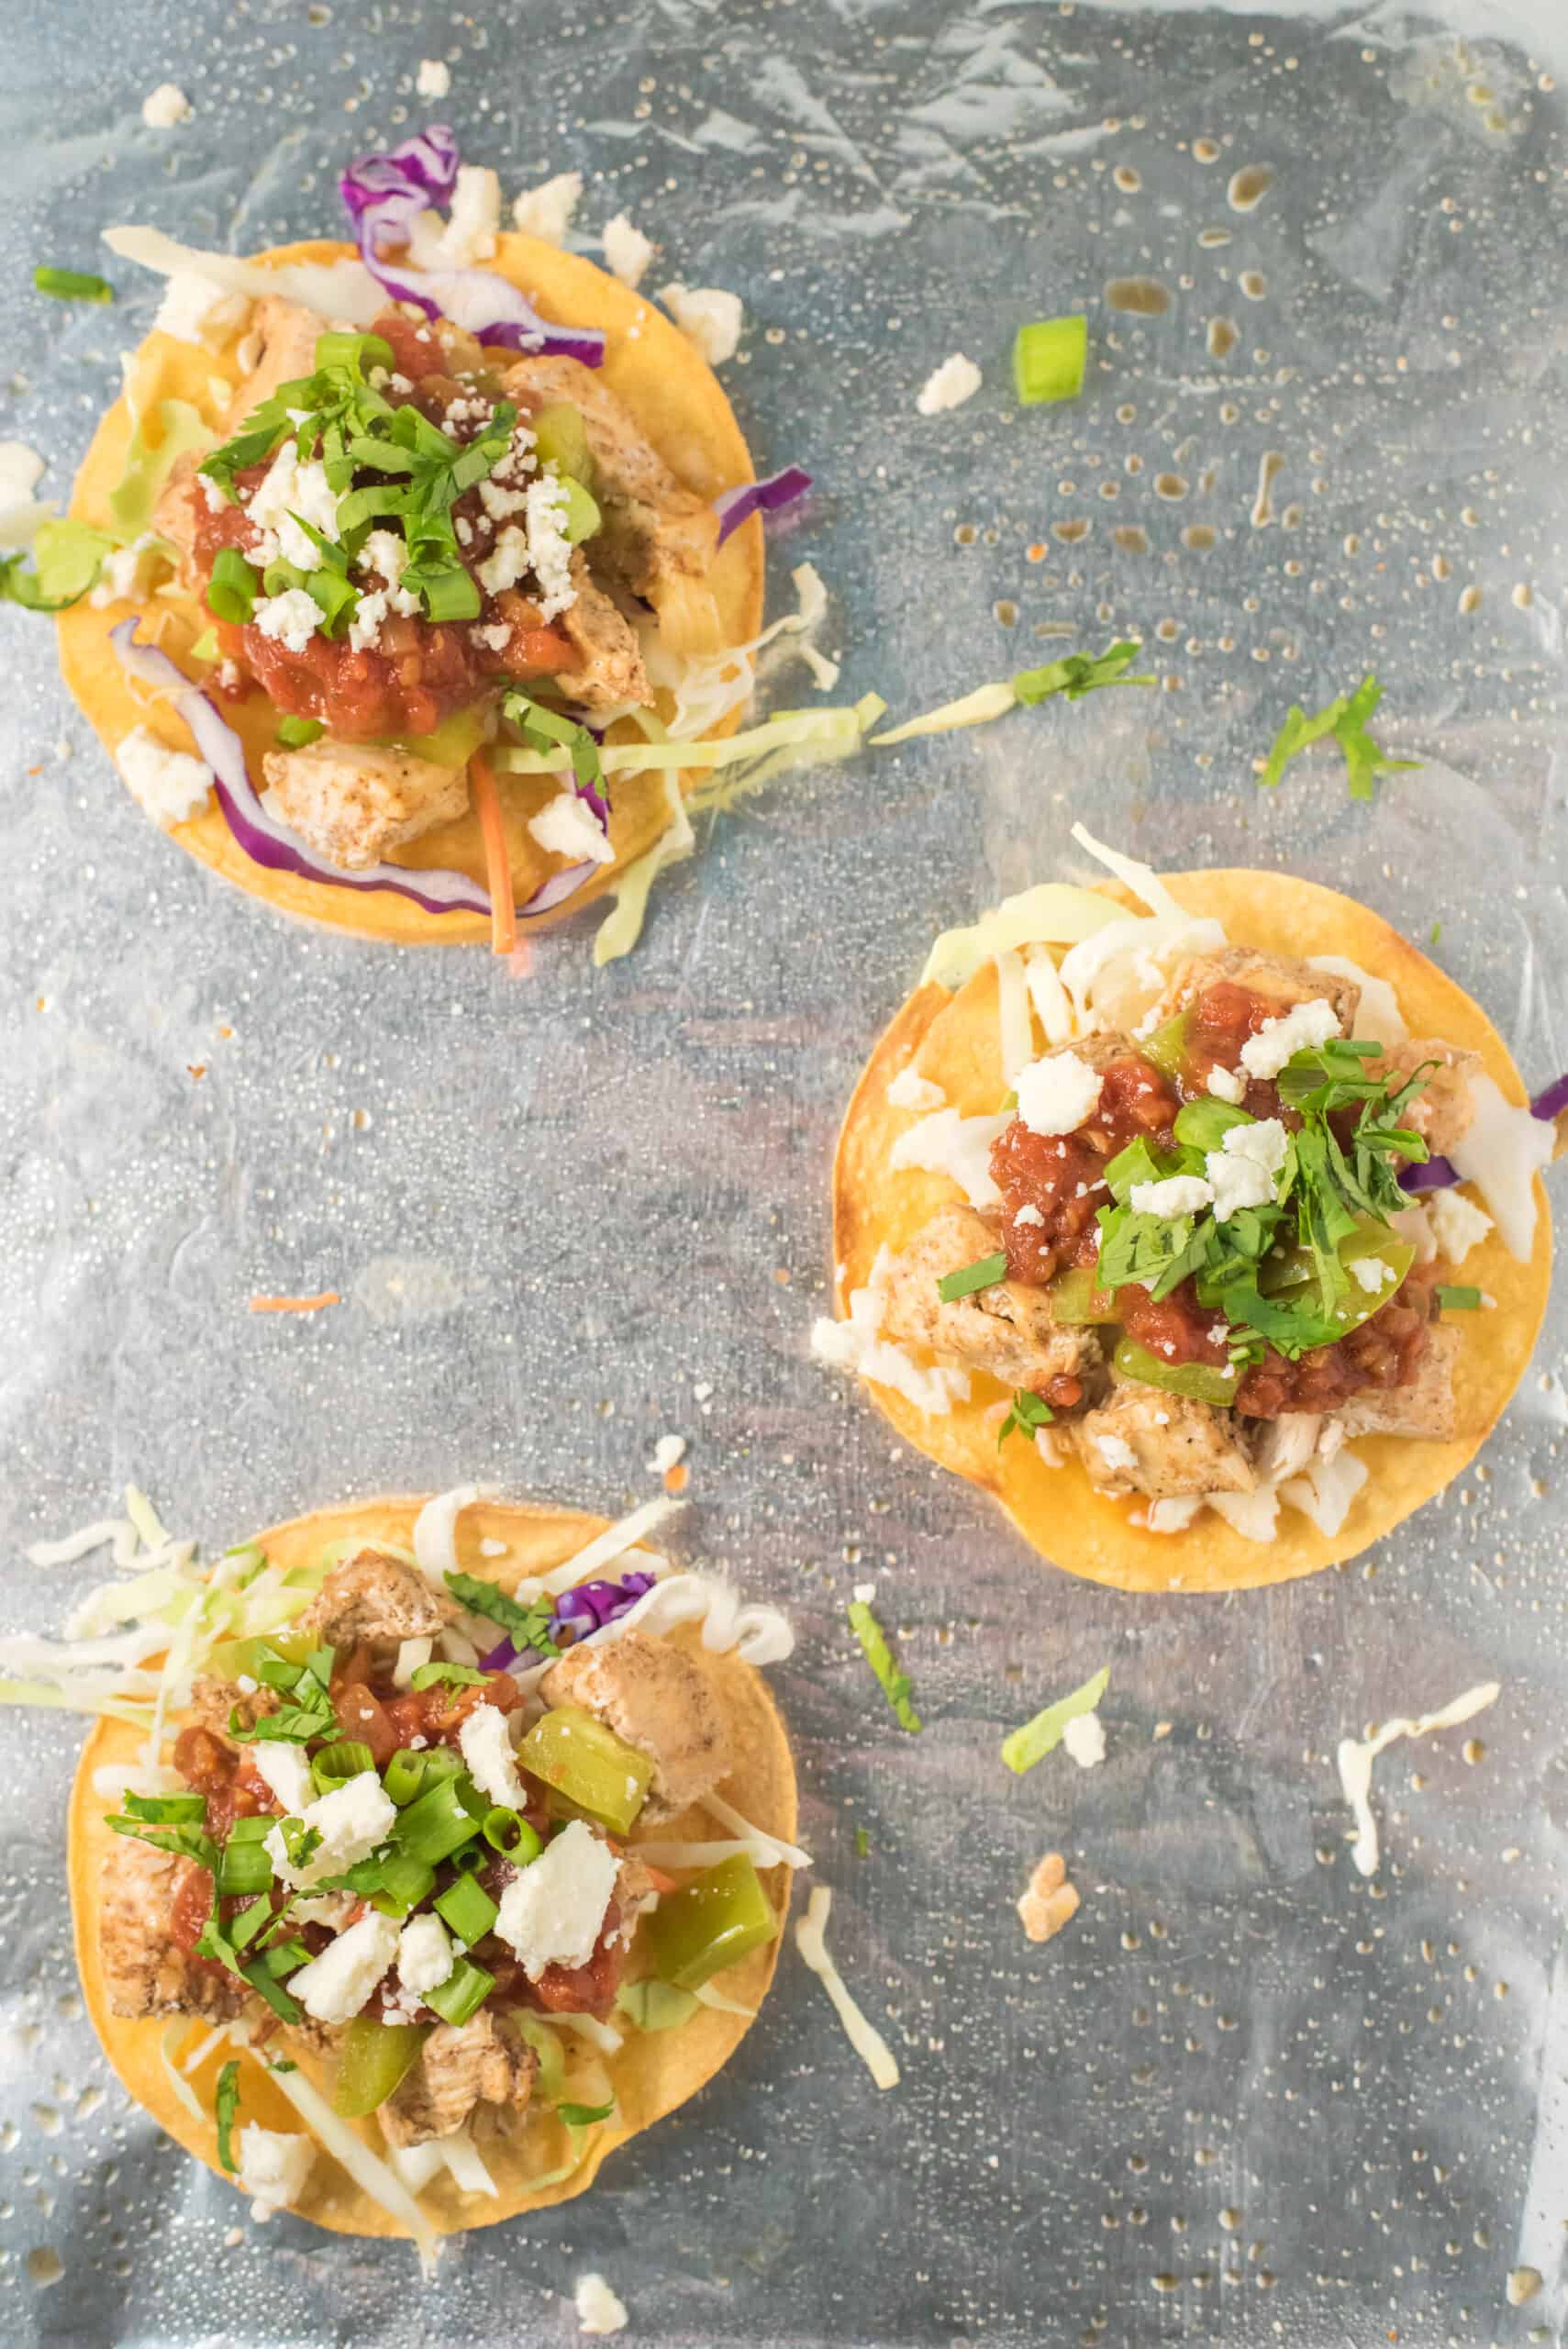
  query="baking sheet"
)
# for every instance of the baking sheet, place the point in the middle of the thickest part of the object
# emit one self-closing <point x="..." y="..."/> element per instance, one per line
<point x="1245" y="2096"/>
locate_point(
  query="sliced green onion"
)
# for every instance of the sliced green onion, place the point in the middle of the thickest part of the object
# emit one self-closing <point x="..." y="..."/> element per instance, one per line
<point x="1455" y="1301"/>
<point x="451" y="596"/>
<point x="985" y="1272"/>
<point x="293" y="733"/>
<point x="244" y="1867"/>
<point x="508" y="1830"/>
<point x="404" y="1776"/>
<point x="280" y="577"/>
<point x="333" y="597"/>
<point x="233" y="588"/>
<point x="463" y="1993"/>
<point x="468" y="1908"/>
<point x="335" y="1764"/>
<point x="1049" y="356"/>
<point x="434" y="1827"/>
<point x="471" y="1859"/>
<point x="73" y="284"/>
<point x="226" y="2104"/>
<point x="405" y="1881"/>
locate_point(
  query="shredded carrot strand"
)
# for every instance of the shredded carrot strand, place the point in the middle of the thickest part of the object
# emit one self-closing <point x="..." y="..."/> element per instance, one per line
<point x="497" y="864"/>
<point x="295" y="1304"/>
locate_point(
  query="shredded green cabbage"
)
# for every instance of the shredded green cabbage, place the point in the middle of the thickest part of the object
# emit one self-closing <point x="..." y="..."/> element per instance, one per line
<point x="1053" y="913"/>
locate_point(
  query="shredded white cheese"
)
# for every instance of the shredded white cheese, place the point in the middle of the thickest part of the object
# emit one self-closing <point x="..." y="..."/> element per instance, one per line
<point x="1357" y="1756"/>
<point x="867" y="2041"/>
<point x="856" y="1344"/>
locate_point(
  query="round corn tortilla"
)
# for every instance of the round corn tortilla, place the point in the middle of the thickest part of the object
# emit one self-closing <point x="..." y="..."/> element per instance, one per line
<point x="676" y="400"/>
<point x="653" y="2072"/>
<point x="1057" y="1509"/>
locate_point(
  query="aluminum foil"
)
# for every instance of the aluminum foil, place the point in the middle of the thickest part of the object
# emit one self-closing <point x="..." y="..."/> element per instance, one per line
<point x="1245" y="2096"/>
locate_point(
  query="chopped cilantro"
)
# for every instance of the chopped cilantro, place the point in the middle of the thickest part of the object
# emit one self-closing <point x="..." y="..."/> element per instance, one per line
<point x="894" y="1683"/>
<point x="863" y="1843"/>
<point x="447" y="1676"/>
<point x="526" y="1627"/>
<point x="985" y="1272"/>
<point x="1077" y="673"/>
<point x="1345" y="717"/>
<point x="225" y="2105"/>
<point x="583" y="2116"/>
<point x="1434" y="933"/>
<point x="1027" y="1412"/>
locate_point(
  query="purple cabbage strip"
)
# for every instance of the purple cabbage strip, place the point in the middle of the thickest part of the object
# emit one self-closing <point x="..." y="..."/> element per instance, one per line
<point x="594" y="1604"/>
<point x="269" y="843"/>
<point x="499" y="1658"/>
<point x="769" y="497"/>
<point x="385" y="196"/>
<point x="1552" y="1102"/>
<point x="1432" y="1175"/>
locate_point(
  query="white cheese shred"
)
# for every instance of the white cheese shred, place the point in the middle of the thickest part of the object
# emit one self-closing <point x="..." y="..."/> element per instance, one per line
<point x="867" y="2041"/>
<point x="368" y="2172"/>
<point x="1356" y="1757"/>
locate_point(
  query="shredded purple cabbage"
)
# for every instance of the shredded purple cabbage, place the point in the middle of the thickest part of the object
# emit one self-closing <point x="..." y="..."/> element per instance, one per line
<point x="769" y="497"/>
<point x="594" y="1604"/>
<point x="270" y="843"/>
<point x="1440" y="1173"/>
<point x="1552" y="1102"/>
<point x="385" y="196"/>
<point x="499" y="1658"/>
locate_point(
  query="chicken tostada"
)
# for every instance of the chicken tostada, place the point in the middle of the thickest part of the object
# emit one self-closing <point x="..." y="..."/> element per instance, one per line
<point x="405" y="1823"/>
<point x="387" y="569"/>
<point x="1169" y="1238"/>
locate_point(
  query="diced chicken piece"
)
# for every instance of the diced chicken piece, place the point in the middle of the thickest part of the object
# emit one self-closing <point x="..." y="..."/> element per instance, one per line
<point x="1425" y="1408"/>
<point x="288" y="335"/>
<point x="635" y="1893"/>
<point x="1009" y="1329"/>
<point x="1282" y="1447"/>
<point x="655" y="530"/>
<point x="1143" y="1440"/>
<point x="658" y="1701"/>
<point x="1278" y="978"/>
<point x="1441" y="1113"/>
<point x="372" y="1599"/>
<point x="461" y="2065"/>
<point x="144" y="1972"/>
<point x="213" y="1701"/>
<point x="353" y="801"/>
<point x="610" y="658"/>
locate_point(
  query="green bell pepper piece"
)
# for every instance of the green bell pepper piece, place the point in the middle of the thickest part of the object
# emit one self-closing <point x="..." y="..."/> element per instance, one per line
<point x="720" y="1918"/>
<point x="1075" y="1299"/>
<point x="1166" y="1047"/>
<point x="588" y="1766"/>
<point x="1200" y="1382"/>
<point x="372" y="2059"/>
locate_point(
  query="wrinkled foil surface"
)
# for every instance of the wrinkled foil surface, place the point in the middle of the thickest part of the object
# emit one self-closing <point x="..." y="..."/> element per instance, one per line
<point x="1246" y="2095"/>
